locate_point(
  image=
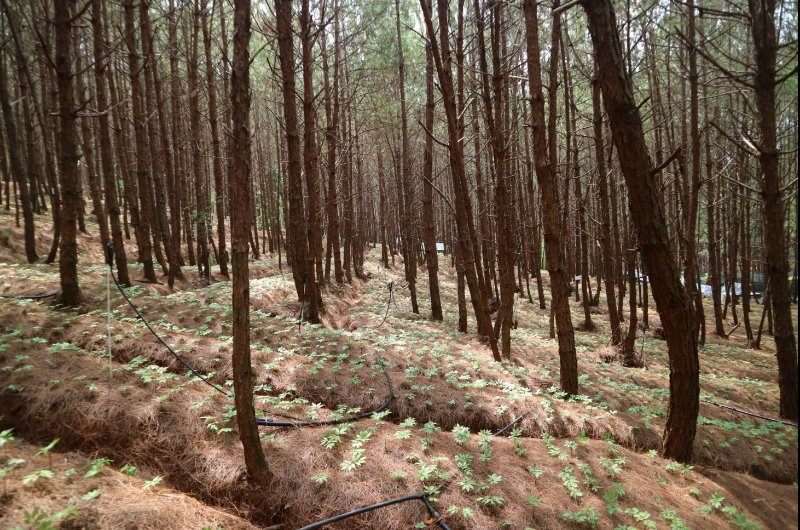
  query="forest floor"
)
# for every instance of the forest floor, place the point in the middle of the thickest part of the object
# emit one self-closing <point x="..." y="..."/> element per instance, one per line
<point x="142" y="443"/>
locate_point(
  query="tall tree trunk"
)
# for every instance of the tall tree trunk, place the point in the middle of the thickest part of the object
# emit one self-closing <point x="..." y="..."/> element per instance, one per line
<point x="606" y="246"/>
<point x="690" y="270"/>
<point x="762" y="23"/>
<point x="331" y="136"/>
<point x="200" y="190"/>
<point x="302" y="266"/>
<point x="713" y="240"/>
<point x="239" y="186"/>
<point x="674" y="305"/>
<point x="17" y="168"/>
<point x="106" y="153"/>
<point x="464" y="220"/>
<point x="493" y="101"/>
<point x="431" y="257"/>
<point x="219" y="200"/>
<point x="311" y="159"/>
<point x="546" y="176"/>
<point x="70" y="180"/>
<point x="176" y="197"/>
<point x="162" y="160"/>
<point x="142" y="153"/>
<point x="409" y="241"/>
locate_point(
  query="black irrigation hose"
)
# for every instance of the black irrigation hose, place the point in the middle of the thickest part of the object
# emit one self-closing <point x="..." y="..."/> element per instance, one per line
<point x="30" y="296"/>
<point x="389" y="286"/>
<point x="424" y="498"/>
<point x="514" y="422"/>
<point x="167" y="346"/>
<point x="733" y="409"/>
<point x="265" y="422"/>
<point x="740" y="411"/>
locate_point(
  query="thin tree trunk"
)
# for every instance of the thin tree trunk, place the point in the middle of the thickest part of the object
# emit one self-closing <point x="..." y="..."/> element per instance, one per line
<point x="106" y="154"/>
<point x="302" y="266"/>
<point x="142" y="154"/>
<point x="431" y="257"/>
<point x="606" y="246"/>
<point x="200" y="191"/>
<point x="219" y="200"/>
<point x="331" y="136"/>
<point x="162" y="161"/>
<point x="17" y="168"/>
<point x="546" y="176"/>
<point x="464" y="221"/>
<point x="409" y="242"/>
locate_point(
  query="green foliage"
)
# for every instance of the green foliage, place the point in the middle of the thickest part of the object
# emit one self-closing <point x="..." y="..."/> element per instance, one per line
<point x="587" y="517"/>
<point x="570" y="482"/>
<point x="36" y="475"/>
<point x="155" y="481"/>
<point x="96" y="466"/>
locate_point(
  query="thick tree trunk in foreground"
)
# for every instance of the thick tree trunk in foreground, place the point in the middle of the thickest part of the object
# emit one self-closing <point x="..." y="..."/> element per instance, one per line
<point x="70" y="180"/>
<point x="762" y="18"/>
<point x="674" y="305"/>
<point x="545" y="174"/>
<point x="239" y="186"/>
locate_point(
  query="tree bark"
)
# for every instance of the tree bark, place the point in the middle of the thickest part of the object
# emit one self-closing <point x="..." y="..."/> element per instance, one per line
<point x="142" y="154"/>
<point x="311" y="160"/>
<point x="162" y="160"/>
<point x="200" y="190"/>
<point x="606" y="246"/>
<point x="70" y="180"/>
<point x="239" y="186"/>
<point x="762" y="23"/>
<point x="17" y="168"/>
<point x="302" y="267"/>
<point x="219" y="187"/>
<point x="464" y="220"/>
<point x="431" y="257"/>
<point x="673" y="303"/>
<point x="546" y="176"/>
<point x="409" y="241"/>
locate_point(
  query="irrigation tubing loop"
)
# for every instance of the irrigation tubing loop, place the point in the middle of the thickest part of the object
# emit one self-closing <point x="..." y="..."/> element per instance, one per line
<point x="390" y="287"/>
<point x="167" y="346"/>
<point x="435" y="516"/>
<point x="264" y="422"/>
<point x="734" y="409"/>
<point x="424" y="497"/>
